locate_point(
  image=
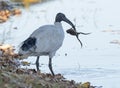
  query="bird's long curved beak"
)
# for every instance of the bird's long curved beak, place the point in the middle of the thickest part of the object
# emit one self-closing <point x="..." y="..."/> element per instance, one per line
<point x="69" y="22"/>
<point x="73" y="26"/>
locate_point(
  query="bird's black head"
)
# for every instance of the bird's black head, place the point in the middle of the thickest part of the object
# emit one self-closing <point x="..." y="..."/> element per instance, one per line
<point x="61" y="17"/>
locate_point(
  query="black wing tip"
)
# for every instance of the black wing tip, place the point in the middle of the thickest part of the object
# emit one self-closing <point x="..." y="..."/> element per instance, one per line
<point x="28" y="43"/>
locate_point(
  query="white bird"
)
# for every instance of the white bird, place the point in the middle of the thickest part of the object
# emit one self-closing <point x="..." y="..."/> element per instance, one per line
<point x="46" y="40"/>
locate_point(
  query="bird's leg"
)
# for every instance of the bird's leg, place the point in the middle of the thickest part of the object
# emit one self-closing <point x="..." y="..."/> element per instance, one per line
<point x="50" y="66"/>
<point x="37" y="63"/>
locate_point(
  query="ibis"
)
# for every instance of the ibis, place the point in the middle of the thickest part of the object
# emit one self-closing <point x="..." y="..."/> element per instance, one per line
<point x="45" y="40"/>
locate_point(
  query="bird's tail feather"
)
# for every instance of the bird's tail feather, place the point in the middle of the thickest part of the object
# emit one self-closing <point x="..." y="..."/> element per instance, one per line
<point x="28" y="43"/>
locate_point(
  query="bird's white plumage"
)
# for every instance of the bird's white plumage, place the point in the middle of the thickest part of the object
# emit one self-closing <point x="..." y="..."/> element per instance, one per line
<point x="46" y="40"/>
<point x="49" y="39"/>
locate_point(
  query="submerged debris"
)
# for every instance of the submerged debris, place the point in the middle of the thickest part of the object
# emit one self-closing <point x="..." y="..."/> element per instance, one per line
<point x="115" y="42"/>
<point x="112" y="31"/>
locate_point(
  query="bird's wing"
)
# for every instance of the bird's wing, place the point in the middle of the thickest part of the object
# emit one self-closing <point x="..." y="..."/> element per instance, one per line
<point x="42" y="31"/>
<point x="48" y="38"/>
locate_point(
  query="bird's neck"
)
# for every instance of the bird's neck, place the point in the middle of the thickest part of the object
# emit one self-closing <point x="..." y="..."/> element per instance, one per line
<point x="58" y="24"/>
